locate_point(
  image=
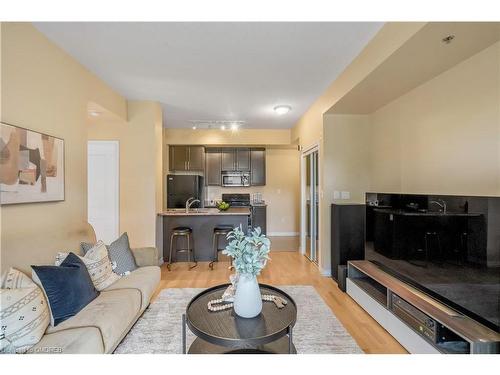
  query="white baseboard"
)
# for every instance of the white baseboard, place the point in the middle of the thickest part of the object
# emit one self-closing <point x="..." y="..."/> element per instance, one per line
<point x="283" y="234"/>
<point x="325" y="272"/>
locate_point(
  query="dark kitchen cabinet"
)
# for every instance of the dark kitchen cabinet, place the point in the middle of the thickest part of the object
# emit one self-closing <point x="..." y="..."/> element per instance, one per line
<point x="347" y="235"/>
<point x="186" y="158"/>
<point x="213" y="166"/>
<point x="236" y="159"/>
<point x="196" y="160"/>
<point x="242" y="159"/>
<point x="178" y="158"/>
<point x="259" y="218"/>
<point x="228" y="159"/>
<point x="258" y="166"/>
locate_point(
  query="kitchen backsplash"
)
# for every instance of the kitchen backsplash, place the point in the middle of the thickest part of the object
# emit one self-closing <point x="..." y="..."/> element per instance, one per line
<point x="214" y="193"/>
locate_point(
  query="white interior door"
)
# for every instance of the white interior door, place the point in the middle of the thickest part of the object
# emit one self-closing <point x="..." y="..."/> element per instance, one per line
<point x="103" y="189"/>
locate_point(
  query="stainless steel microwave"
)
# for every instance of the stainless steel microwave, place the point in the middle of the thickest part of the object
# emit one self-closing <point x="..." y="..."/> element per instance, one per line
<point x="235" y="179"/>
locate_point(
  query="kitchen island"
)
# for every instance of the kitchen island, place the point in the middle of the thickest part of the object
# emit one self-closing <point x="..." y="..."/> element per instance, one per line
<point x="202" y="221"/>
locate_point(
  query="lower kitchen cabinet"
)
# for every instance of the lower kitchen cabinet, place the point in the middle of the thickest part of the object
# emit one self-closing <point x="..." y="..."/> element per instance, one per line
<point x="259" y="218"/>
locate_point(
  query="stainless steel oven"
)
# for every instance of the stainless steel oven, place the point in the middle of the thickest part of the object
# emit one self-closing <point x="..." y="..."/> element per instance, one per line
<point x="235" y="179"/>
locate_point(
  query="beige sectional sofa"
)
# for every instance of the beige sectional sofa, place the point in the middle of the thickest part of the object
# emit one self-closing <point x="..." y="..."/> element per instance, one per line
<point x="101" y="325"/>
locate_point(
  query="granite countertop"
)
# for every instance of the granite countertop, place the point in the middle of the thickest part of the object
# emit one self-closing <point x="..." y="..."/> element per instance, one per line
<point x="242" y="211"/>
<point x="427" y="213"/>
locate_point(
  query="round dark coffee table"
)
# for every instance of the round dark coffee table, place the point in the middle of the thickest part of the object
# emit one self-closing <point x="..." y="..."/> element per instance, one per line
<point x="226" y="332"/>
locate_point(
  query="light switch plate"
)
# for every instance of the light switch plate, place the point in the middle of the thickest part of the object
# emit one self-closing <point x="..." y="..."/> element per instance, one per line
<point x="345" y="195"/>
<point x="336" y="194"/>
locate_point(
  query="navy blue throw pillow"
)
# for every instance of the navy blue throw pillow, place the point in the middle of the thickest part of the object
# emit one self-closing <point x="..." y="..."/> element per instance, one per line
<point x="68" y="287"/>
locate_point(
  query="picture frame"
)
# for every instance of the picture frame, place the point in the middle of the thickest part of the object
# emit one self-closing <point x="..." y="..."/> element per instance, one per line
<point x="32" y="166"/>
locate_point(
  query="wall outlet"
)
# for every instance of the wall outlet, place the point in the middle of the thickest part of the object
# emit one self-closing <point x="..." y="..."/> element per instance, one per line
<point x="345" y="195"/>
<point x="336" y="194"/>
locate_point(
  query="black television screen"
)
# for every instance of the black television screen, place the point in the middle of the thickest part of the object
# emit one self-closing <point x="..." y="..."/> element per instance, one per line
<point x="447" y="246"/>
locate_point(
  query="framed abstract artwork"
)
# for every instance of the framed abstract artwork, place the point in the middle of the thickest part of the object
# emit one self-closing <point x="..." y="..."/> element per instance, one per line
<point x="31" y="166"/>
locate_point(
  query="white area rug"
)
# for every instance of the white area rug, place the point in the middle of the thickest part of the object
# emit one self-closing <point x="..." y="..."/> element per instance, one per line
<point x="317" y="330"/>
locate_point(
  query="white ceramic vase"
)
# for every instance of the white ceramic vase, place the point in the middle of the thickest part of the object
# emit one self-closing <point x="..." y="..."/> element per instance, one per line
<point x="247" y="300"/>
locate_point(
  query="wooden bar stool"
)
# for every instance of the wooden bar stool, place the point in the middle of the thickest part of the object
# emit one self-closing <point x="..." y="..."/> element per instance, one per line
<point x="174" y="235"/>
<point x="219" y="231"/>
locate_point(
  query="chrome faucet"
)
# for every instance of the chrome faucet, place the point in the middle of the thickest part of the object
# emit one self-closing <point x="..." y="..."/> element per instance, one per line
<point x="441" y="203"/>
<point x="190" y="202"/>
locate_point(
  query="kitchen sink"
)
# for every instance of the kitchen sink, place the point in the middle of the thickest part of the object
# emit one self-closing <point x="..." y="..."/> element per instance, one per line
<point x="191" y="210"/>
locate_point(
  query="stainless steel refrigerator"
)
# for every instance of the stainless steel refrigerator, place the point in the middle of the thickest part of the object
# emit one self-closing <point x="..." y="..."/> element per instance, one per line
<point x="182" y="187"/>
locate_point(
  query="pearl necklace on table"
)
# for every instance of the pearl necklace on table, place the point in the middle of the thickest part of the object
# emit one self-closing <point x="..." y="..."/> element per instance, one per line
<point x="220" y="304"/>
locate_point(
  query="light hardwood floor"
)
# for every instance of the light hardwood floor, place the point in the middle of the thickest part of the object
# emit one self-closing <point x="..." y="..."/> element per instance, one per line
<point x="292" y="268"/>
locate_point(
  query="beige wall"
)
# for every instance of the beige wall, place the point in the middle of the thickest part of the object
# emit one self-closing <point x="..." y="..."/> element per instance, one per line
<point x="414" y="143"/>
<point x="220" y="137"/>
<point x="140" y="168"/>
<point x="44" y="89"/>
<point x="345" y="166"/>
<point x="309" y="130"/>
<point x="444" y="136"/>
<point x="282" y="190"/>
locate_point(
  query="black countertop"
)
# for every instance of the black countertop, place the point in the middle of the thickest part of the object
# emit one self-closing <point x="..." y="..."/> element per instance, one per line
<point x="396" y="211"/>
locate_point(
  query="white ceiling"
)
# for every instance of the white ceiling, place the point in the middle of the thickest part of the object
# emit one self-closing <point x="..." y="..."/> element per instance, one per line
<point x="216" y="71"/>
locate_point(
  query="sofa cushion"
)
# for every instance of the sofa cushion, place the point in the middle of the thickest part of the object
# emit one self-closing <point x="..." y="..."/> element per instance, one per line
<point x="120" y="254"/>
<point x="145" y="256"/>
<point x="85" y="340"/>
<point x="24" y="314"/>
<point x="68" y="288"/>
<point x="113" y="312"/>
<point x="143" y="279"/>
<point x="98" y="265"/>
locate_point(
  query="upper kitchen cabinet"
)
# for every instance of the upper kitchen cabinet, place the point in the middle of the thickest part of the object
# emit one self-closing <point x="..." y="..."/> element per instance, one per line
<point x="196" y="160"/>
<point x="228" y="159"/>
<point x="235" y="159"/>
<point x="243" y="159"/>
<point x="213" y="166"/>
<point x="186" y="158"/>
<point x="258" y="166"/>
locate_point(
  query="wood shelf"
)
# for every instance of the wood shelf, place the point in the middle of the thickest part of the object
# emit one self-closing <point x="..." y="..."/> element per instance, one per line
<point x="463" y="326"/>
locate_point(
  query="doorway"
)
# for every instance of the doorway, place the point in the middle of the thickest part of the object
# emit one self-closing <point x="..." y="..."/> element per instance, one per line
<point x="310" y="204"/>
<point x="103" y="189"/>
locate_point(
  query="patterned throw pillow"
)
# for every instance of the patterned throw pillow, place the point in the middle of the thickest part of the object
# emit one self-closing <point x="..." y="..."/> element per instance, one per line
<point x="120" y="254"/>
<point x="98" y="264"/>
<point x="24" y="314"/>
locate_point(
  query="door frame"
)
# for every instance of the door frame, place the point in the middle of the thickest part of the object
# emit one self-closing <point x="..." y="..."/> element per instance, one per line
<point x="303" y="204"/>
<point x="116" y="146"/>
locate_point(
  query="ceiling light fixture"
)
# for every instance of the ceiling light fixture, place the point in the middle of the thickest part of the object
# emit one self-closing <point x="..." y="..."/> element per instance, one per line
<point x="94" y="113"/>
<point x="217" y="124"/>
<point x="282" y="109"/>
<point x="448" y="39"/>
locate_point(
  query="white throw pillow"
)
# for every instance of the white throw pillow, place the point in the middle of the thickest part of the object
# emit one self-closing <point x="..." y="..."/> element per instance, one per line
<point x="24" y="313"/>
<point x="98" y="264"/>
